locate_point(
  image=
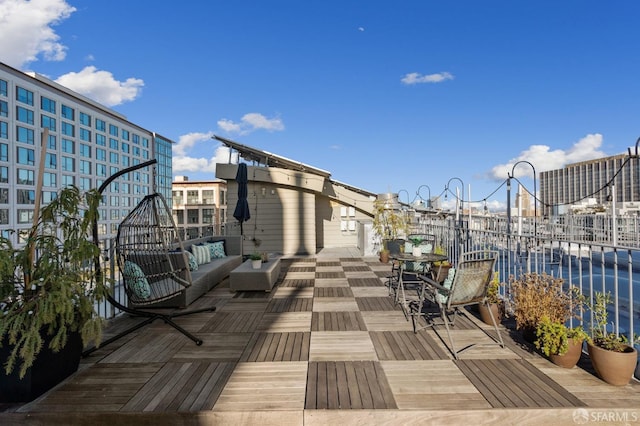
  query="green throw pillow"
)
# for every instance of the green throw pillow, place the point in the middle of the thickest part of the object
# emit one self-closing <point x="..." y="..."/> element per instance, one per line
<point x="136" y="280"/>
<point x="193" y="263"/>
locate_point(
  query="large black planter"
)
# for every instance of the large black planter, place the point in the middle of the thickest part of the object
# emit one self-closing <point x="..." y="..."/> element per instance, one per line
<point x="48" y="370"/>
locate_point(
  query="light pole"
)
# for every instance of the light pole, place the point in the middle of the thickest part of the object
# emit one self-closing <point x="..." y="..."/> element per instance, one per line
<point x="535" y="197"/>
<point x="459" y="224"/>
<point x="418" y="194"/>
<point x="446" y="188"/>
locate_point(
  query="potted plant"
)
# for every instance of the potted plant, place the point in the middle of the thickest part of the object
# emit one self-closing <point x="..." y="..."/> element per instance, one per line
<point x="613" y="357"/>
<point x="561" y="344"/>
<point x="493" y="300"/>
<point x="415" y="245"/>
<point x="48" y="290"/>
<point x="388" y="224"/>
<point x="256" y="260"/>
<point x="537" y="295"/>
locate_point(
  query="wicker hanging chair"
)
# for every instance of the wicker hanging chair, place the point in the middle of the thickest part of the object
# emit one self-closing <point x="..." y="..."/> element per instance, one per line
<point x="151" y="260"/>
<point x="152" y="271"/>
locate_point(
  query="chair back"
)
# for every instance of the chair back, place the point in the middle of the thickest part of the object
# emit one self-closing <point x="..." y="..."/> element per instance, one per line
<point x="472" y="277"/>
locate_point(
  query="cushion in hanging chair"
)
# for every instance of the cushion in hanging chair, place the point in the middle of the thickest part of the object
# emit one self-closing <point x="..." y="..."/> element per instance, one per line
<point x="136" y="279"/>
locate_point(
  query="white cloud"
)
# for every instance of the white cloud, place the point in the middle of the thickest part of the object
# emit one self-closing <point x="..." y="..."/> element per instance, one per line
<point x="361" y="29"/>
<point x="417" y="78"/>
<point x="26" y="30"/>
<point x="251" y="122"/>
<point x="101" y="86"/>
<point x="183" y="163"/>
<point x="543" y="159"/>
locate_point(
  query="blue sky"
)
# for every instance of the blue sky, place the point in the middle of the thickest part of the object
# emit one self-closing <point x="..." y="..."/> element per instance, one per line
<point x="385" y="95"/>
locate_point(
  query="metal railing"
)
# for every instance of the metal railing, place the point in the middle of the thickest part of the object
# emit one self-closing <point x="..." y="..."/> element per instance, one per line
<point x="588" y="265"/>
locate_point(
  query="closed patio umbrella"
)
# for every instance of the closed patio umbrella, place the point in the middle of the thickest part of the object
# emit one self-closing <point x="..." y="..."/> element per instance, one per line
<point x="241" y="213"/>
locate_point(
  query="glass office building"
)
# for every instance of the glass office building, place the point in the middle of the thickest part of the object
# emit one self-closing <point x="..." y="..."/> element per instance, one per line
<point x="85" y="144"/>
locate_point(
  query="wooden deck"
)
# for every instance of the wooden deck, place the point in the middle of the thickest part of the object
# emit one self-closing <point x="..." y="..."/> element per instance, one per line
<point x="326" y="346"/>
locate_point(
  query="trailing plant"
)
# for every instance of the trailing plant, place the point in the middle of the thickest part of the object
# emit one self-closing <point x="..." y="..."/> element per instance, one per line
<point x="553" y="337"/>
<point x="599" y="334"/>
<point x="538" y="295"/>
<point x="50" y="283"/>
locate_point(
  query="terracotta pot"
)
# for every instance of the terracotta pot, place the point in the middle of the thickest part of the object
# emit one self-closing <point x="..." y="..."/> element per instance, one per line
<point x="571" y="358"/>
<point x="615" y="368"/>
<point x="441" y="272"/>
<point x="485" y="316"/>
<point x="384" y="256"/>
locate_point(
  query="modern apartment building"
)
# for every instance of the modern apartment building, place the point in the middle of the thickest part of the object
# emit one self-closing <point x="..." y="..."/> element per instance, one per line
<point x="604" y="179"/>
<point x="85" y="144"/>
<point x="199" y="207"/>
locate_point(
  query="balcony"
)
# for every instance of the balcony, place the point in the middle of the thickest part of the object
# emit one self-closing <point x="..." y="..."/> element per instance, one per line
<point x="326" y="346"/>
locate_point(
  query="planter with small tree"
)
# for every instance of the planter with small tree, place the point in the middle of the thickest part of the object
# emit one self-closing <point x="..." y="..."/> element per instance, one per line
<point x="561" y="344"/>
<point x="613" y="357"/>
<point x="388" y="225"/>
<point x="49" y="288"/>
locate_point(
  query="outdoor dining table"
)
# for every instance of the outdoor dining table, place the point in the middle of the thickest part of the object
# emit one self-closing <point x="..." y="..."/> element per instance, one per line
<point x="401" y="259"/>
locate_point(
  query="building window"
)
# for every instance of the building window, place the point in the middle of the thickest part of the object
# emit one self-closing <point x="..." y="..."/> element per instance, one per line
<point x="50" y="180"/>
<point x="51" y="143"/>
<point x="101" y="154"/>
<point x="4" y="174"/>
<point x="24" y="115"/>
<point x="113" y="144"/>
<point x="68" y="129"/>
<point x="125" y="148"/>
<point x="101" y="126"/>
<point x="113" y="158"/>
<point x="223" y="195"/>
<point x="4" y="130"/>
<point x="49" y="196"/>
<point x="4" y="109"/>
<point x="25" y="216"/>
<point x="3" y="88"/>
<point x="68" y="146"/>
<point x="207" y="196"/>
<point x="101" y="140"/>
<point x="85" y="134"/>
<point x="47" y="122"/>
<point x="85" y="150"/>
<point x="176" y="198"/>
<point x="68" y="164"/>
<point x="47" y="104"/>
<point x="180" y="217"/>
<point x="85" y="184"/>
<point x="85" y="119"/>
<point x="4" y="220"/>
<point x="207" y="216"/>
<point x="85" y="167"/>
<point x="26" y="156"/>
<point x="4" y="195"/>
<point x="125" y="135"/>
<point x="68" y="112"/>
<point x="26" y="177"/>
<point x="193" y="216"/>
<point x="4" y="152"/>
<point x="24" y="135"/>
<point x="25" y="96"/>
<point x="51" y="161"/>
<point x="25" y="196"/>
<point x="113" y="130"/>
<point x="135" y="139"/>
<point x="192" y="197"/>
<point x="101" y="169"/>
<point x="68" y="180"/>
